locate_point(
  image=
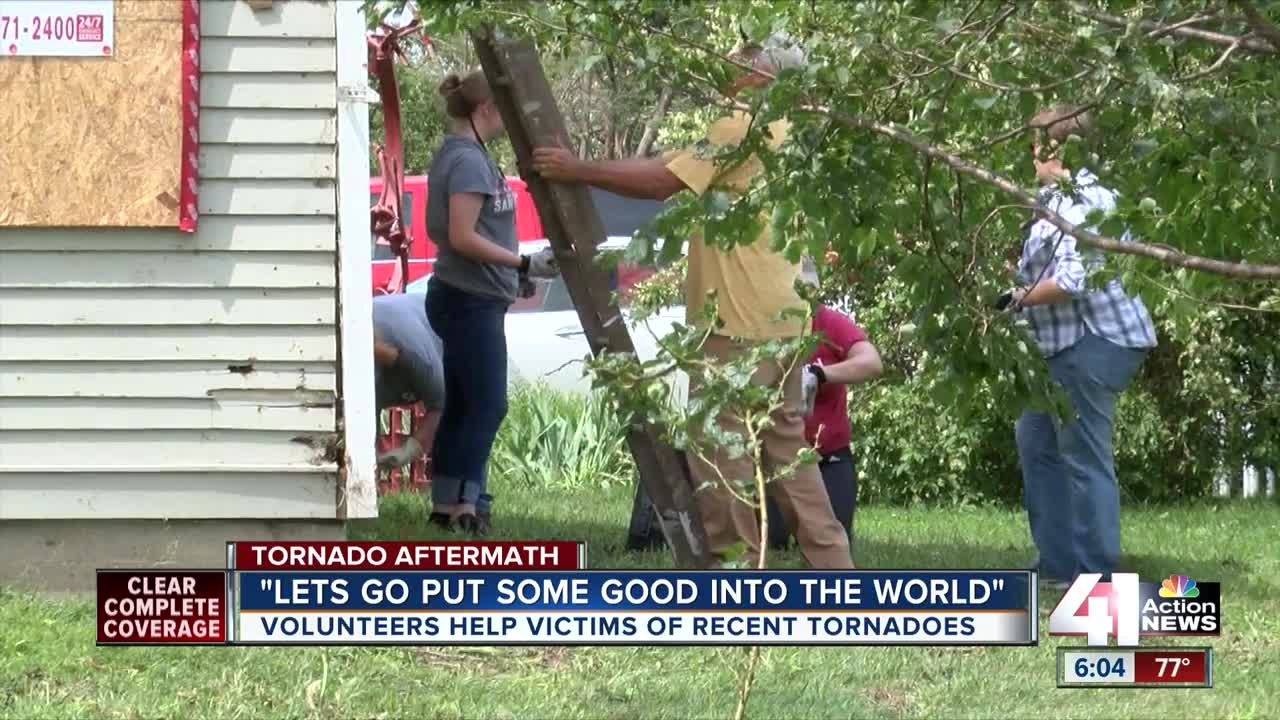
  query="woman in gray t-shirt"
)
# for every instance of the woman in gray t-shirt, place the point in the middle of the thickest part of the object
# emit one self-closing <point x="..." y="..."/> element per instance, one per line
<point x="471" y="218"/>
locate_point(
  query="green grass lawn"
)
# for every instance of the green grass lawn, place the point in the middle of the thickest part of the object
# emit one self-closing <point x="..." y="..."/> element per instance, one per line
<point x="49" y="667"/>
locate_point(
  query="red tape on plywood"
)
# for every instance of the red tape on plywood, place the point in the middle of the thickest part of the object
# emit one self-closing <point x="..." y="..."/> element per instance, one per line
<point x="188" y="215"/>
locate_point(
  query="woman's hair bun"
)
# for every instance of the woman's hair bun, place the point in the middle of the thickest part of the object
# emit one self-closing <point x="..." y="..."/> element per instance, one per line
<point x="450" y="84"/>
<point x="464" y="93"/>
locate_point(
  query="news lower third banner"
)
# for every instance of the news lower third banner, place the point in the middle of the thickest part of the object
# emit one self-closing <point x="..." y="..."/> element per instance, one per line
<point x="534" y="594"/>
<point x="600" y="607"/>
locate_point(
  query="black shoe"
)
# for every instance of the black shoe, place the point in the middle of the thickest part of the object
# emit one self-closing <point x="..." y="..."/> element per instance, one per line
<point x="440" y="520"/>
<point x="652" y="540"/>
<point x="472" y="524"/>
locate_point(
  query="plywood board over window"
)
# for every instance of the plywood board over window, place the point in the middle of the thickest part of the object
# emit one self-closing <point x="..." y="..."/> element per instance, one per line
<point x="97" y="141"/>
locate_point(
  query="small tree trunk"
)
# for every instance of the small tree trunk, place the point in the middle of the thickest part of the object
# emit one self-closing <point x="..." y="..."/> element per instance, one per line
<point x="610" y="135"/>
<point x="651" y="127"/>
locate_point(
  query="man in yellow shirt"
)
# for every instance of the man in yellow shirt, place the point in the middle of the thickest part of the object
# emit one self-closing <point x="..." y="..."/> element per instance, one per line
<point x="754" y="285"/>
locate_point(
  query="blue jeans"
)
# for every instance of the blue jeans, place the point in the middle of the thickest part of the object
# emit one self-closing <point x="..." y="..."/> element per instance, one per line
<point x="1068" y="471"/>
<point x="472" y="331"/>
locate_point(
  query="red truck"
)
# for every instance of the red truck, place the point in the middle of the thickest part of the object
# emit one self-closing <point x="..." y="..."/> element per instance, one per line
<point x="422" y="252"/>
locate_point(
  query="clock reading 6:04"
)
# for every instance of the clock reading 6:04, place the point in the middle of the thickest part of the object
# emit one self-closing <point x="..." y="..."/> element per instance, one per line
<point x="1100" y="668"/>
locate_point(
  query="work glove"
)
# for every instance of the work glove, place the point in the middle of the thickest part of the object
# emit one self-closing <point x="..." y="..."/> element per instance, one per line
<point x="401" y="456"/>
<point x="1009" y="299"/>
<point x="543" y="264"/>
<point x="811" y="378"/>
<point x="526" y="288"/>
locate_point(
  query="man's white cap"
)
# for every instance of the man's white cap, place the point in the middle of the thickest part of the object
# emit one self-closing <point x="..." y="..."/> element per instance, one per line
<point x="783" y="52"/>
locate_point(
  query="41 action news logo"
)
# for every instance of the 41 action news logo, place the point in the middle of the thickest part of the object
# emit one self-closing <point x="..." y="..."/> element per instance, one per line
<point x="1126" y="608"/>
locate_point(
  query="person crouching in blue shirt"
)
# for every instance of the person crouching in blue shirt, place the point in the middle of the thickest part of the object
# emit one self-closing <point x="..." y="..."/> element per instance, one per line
<point x="1094" y="338"/>
<point x="407" y="369"/>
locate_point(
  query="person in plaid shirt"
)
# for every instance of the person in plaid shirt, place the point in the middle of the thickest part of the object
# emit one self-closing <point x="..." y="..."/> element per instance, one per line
<point x="1094" y="339"/>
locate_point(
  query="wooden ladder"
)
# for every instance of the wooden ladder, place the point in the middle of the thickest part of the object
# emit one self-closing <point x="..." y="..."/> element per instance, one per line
<point x="574" y="229"/>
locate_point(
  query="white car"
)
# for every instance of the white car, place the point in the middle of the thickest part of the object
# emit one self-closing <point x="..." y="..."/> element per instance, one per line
<point x="545" y="339"/>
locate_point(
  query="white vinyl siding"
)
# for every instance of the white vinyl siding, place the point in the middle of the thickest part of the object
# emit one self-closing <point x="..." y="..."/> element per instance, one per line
<point x="138" y="495"/>
<point x="150" y="270"/>
<point x="256" y="162"/>
<point x="295" y="127"/>
<point x="246" y="305"/>
<point x="163" y="379"/>
<point x="156" y="374"/>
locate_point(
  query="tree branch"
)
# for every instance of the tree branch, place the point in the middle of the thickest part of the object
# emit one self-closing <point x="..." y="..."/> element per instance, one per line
<point x="1010" y="9"/>
<point x="1217" y="64"/>
<point x="1246" y="43"/>
<point x="964" y="23"/>
<point x="951" y="68"/>
<point x="1193" y="20"/>
<point x="1169" y="256"/>
<point x="1203" y="301"/>
<point x="1015" y="88"/>
<point x="1260" y="24"/>
<point x="1029" y="126"/>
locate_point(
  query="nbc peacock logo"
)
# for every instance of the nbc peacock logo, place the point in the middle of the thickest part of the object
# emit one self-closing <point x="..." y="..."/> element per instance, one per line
<point x="1179" y="586"/>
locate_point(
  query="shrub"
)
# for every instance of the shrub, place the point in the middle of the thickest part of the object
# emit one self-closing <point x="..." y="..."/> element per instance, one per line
<point x="907" y="451"/>
<point x="557" y="439"/>
<point x="1188" y="415"/>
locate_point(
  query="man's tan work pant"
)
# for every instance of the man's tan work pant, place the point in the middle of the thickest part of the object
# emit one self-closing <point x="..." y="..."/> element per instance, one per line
<point x="801" y="497"/>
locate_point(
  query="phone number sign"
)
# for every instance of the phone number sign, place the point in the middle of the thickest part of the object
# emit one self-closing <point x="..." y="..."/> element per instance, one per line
<point x="59" y="28"/>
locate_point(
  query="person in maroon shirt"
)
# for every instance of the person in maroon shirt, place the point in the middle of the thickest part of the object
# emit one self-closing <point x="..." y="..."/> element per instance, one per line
<point x="843" y="357"/>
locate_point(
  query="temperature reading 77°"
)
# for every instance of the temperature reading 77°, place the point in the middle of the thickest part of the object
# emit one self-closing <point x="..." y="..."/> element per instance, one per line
<point x="1171" y="665"/>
